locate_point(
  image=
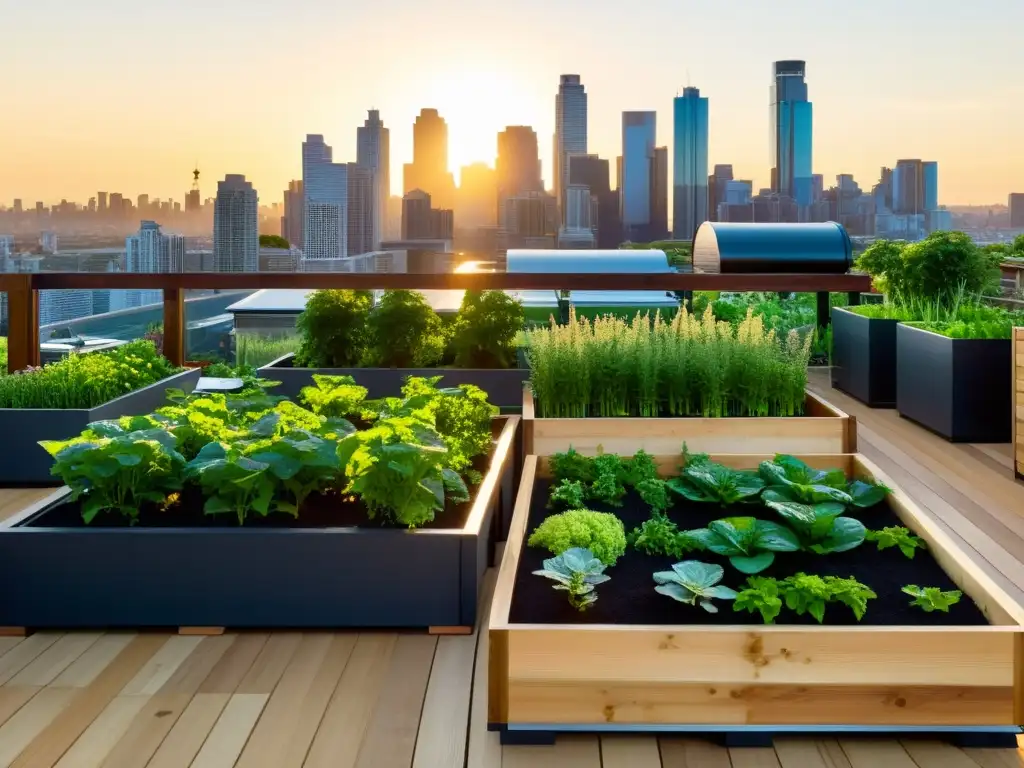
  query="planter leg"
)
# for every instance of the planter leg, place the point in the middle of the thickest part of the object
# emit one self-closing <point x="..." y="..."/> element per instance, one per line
<point x="527" y="738"/>
<point x="201" y="631"/>
<point x="450" y="630"/>
<point x="747" y="739"/>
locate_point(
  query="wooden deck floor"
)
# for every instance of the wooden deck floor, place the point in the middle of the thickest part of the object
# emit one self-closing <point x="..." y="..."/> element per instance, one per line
<point x="362" y="700"/>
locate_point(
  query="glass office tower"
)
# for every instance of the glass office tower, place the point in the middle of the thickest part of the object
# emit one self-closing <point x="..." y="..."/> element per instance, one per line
<point x="689" y="163"/>
<point x="635" y="179"/>
<point x="791" y="127"/>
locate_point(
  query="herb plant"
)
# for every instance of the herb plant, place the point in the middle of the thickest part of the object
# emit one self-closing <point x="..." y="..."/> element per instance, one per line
<point x="803" y="594"/>
<point x="404" y="332"/>
<point x="896" y="536"/>
<point x="693" y="582"/>
<point x="750" y="544"/>
<point x="485" y="330"/>
<point x="761" y="595"/>
<point x="706" y="481"/>
<point x="572" y="465"/>
<point x="461" y="415"/>
<point x="577" y="572"/>
<point x="930" y="599"/>
<point x="568" y="493"/>
<point x="661" y="536"/>
<point x="654" y="494"/>
<point x="601" y="533"/>
<point x="333" y="328"/>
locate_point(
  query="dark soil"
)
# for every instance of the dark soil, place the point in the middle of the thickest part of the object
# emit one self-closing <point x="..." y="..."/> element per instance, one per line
<point x="629" y="597"/>
<point x="330" y="510"/>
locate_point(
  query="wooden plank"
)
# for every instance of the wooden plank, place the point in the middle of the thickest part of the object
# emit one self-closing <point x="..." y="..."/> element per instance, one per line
<point x="159" y="669"/>
<point x="753" y="757"/>
<point x="871" y="753"/>
<point x="630" y="752"/>
<point x="693" y="753"/>
<point x="442" y="739"/>
<point x="568" y="752"/>
<point x="83" y="670"/>
<point x="344" y="723"/>
<point x="225" y="742"/>
<point x="807" y="753"/>
<point x="390" y="739"/>
<point x="484" y="745"/>
<point x="93" y="746"/>
<point x="24" y="653"/>
<point x="87" y="703"/>
<point x="14" y="698"/>
<point x="937" y="754"/>
<point x="55" y="659"/>
<point x="14" y="500"/>
<point x="997" y="758"/>
<point x="190" y="731"/>
<point x="270" y="664"/>
<point x="233" y="666"/>
<point x="31" y="720"/>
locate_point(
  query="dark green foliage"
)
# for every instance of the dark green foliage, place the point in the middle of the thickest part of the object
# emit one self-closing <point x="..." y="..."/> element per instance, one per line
<point x="600" y="532"/>
<point x="334" y="329"/>
<point x="661" y="536"/>
<point x="404" y="332"/>
<point x="945" y="265"/>
<point x="789" y="479"/>
<point x="749" y="544"/>
<point x="820" y="528"/>
<point x="640" y="467"/>
<point x="577" y="572"/>
<point x="896" y="536"/>
<point x="705" y="481"/>
<point x="654" y="494"/>
<point x="232" y="482"/>
<point x="569" y="494"/>
<point x="273" y="241"/>
<point x="485" y="330"/>
<point x="572" y="465"/>
<point x="930" y="599"/>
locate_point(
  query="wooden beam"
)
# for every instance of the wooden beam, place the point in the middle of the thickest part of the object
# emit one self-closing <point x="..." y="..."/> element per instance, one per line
<point x="22" y="323"/>
<point x="174" y="325"/>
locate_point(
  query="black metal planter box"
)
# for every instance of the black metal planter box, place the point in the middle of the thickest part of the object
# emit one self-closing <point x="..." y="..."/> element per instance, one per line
<point x="248" y="578"/>
<point x="958" y="388"/>
<point x="504" y="386"/>
<point x="24" y="462"/>
<point x="864" y="358"/>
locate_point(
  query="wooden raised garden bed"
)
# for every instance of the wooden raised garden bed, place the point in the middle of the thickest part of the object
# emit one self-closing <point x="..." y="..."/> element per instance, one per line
<point x="313" y="573"/>
<point x="1018" y="402"/>
<point x="823" y="429"/>
<point x="632" y="662"/>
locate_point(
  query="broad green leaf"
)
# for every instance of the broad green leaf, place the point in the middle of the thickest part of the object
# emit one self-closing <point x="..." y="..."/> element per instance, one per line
<point x="754" y="564"/>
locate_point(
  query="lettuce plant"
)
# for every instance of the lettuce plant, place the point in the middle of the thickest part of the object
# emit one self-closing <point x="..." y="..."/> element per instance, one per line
<point x="601" y="533"/>
<point x="803" y="594"/>
<point x="749" y="544"/>
<point x="896" y="536"/>
<point x="301" y="462"/>
<point x="790" y="479"/>
<point x="819" y="527"/>
<point x="334" y="396"/>
<point x="761" y="595"/>
<point x="708" y="482"/>
<point x="233" y="483"/>
<point x="577" y="572"/>
<point x="693" y="582"/>
<point x="930" y="599"/>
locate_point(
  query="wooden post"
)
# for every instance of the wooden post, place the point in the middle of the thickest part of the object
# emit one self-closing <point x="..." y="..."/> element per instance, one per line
<point x="22" y="323"/>
<point x="174" y="325"/>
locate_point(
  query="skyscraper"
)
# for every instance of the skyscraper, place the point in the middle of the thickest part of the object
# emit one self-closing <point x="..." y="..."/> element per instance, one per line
<point x="148" y="250"/>
<point x="570" y="131"/>
<point x="428" y="170"/>
<point x="659" y="194"/>
<point x="236" y="226"/>
<point x="636" y="178"/>
<point x="294" y="219"/>
<point x="373" y="150"/>
<point x="518" y="165"/>
<point x="593" y="172"/>
<point x="325" y="192"/>
<point x="476" y="202"/>
<point x="717" y="184"/>
<point x="791" y="132"/>
<point x="1015" y="202"/>
<point x="361" y="210"/>
<point x="689" y="163"/>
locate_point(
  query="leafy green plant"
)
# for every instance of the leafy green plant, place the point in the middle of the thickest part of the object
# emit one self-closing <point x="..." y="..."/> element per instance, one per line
<point x="896" y="536"/>
<point x="232" y="483"/>
<point x="607" y="488"/>
<point x="639" y="468"/>
<point x="568" y="493"/>
<point x="946" y="264"/>
<point x="789" y="479"/>
<point x="761" y="595"/>
<point x="576" y="571"/>
<point x="706" y="481"/>
<point x="654" y="494"/>
<point x="485" y="330"/>
<point x="333" y="328"/>
<point x="819" y="527"/>
<point x="334" y="396"/>
<point x="661" y="536"/>
<point x="693" y="582"/>
<point x="600" y="532"/>
<point x="930" y="599"/>
<point x="253" y="349"/>
<point x="303" y="463"/>
<point x="117" y="469"/>
<point x="750" y="544"/>
<point x="572" y="465"/>
<point x="404" y="332"/>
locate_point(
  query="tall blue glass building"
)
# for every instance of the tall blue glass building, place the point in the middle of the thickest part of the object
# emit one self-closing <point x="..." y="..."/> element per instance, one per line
<point x="689" y="163"/>
<point x="636" y="180"/>
<point x="791" y="125"/>
<point x="930" y="174"/>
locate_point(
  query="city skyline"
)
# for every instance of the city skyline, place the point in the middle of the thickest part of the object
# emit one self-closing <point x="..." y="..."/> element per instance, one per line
<point x="868" y="108"/>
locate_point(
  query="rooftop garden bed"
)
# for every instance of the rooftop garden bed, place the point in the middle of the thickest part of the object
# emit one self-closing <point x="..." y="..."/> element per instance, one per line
<point x="734" y="591"/>
<point x="652" y="384"/>
<point x="251" y="511"/>
<point x="61" y="398"/>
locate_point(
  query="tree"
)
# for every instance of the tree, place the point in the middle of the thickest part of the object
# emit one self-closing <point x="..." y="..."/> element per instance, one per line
<point x="883" y="260"/>
<point x="273" y="241"/>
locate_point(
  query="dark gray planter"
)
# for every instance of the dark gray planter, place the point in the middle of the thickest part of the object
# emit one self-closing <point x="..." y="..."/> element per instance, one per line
<point x="504" y="386"/>
<point x="246" y="578"/>
<point x="23" y="461"/>
<point x="864" y="358"/>
<point x="958" y="388"/>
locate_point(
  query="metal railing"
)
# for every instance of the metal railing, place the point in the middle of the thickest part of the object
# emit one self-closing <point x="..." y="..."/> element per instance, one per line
<point x="23" y="291"/>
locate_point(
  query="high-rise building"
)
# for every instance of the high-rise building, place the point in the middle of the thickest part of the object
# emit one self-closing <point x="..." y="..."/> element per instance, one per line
<point x="362" y="206"/>
<point x="570" y="131"/>
<point x="717" y="182"/>
<point x="689" y="163"/>
<point x="236" y="226"/>
<point x="294" y="219"/>
<point x="1016" y="205"/>
<point x="48" y="241"/>
<point x="593" y="172"/>
<point x="791" y="133"/>
<point x="428" y="170"/>
<point x="149" y="250"/>
<point x="659" y="194"/>
<point x="144" y="203"/>
<point x="636" y="178"/>
<point x="325" y="191"/>
<point x="421" y="221"/>
<point x="531" y="220"/>
<point x="116" y="205"/>
<point x="101" y="203"/>
<point x="373" y="150"/>
<point x="476" y="202"/>
<point x="518" y="165"/>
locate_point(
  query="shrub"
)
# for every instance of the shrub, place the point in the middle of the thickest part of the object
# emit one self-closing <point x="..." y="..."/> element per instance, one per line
<point x="404" y="332"/>
<point x="485" y="330"/>
<point x="883" y="260"/>
<point x="600" y="532"/>
<point x="945" y="264"/>
<point x="333" y="329"/>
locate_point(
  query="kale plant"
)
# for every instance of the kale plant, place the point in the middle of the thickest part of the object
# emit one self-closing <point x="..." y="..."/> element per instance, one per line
<point x="705" y="481"/>
<point x="693" y="582"/>
<point x="749" y="544"/>
<point x="572" y="465"/>
<point x="896" y="536"/>
<point x="930" y="599"/>
<point x="577" y="572"/>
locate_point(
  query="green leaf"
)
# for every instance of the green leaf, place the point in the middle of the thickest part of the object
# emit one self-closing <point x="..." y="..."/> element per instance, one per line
<point x="867" y="494"/>
<point x="754" y="564"/>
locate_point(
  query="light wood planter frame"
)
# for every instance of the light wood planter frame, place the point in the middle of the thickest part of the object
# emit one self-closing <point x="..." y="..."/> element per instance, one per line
<point x="825" y="429"/>
<point x="547" y="678"/>
<point x="1018" y="402"/>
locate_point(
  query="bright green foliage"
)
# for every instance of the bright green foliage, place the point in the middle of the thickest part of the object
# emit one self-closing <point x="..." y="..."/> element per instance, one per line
<point x="654" y="494"/>
<point x="87" y="380"/>
<point x="301" y="462"/>
<point x="819" y="527"/>
<point x="568" y="493"/>
<point x="975" y="321"/>
<point x="334" y="328"/>
<point x="761" y="596"/>
<point x="661" y="536"/>
<point x="896" y="536"/>
<point x="749" y="544"/>
<point x="233" y="483"/>
<point x="850" y="593"/>
<point x="334" y="396"/>
<point x="607" y="489"/>
<point x="461" y="414"/>
<point x="572" y="465"/>
<point x="705" y="481"/>
<point x="789" y="479"/>
<point x="930" y="599"/>
<point x="404" y="332"/>
<point x="576" y="571"/>
<point x="485" y="330"/>
<point x="118" y="469"/>
<point x="945" y="264"/>
<point x="693" y="582"/>
<point x="600" y="532"/>
<point x="806" y="594"/>
<point x="639" y="468"/>
<point x="273" y="241"/>
<point x="883" y="260"/>
<point x="256" y="350"/>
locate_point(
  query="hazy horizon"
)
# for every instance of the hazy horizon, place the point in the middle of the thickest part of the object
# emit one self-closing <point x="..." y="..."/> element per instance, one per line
<point x="127" y="97"/>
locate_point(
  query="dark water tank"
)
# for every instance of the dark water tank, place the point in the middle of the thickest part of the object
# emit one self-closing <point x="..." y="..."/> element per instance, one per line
<point x="728" y="248"/>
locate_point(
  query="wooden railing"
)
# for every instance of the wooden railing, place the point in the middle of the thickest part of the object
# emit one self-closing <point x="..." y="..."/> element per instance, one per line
<point x="23" y="291"/>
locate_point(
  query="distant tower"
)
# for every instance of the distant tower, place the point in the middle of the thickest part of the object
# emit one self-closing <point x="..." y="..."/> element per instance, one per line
<point x="192" y="201"/>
